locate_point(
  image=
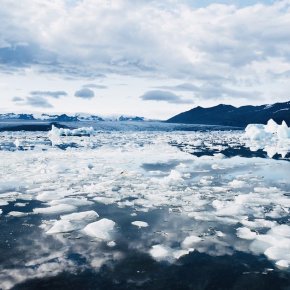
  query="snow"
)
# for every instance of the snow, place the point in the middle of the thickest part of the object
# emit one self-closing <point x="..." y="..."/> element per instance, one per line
<point x="140" y="224"/>
<point x="101" y="229"/>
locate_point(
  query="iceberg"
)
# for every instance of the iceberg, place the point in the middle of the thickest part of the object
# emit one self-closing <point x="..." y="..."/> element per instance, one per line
<point x="272" y="138"/>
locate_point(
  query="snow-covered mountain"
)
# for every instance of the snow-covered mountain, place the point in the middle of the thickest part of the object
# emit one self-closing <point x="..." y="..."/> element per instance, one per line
<point x="67" y="118"/>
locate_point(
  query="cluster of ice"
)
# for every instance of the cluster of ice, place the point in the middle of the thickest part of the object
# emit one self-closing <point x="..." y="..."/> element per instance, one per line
<point x="213" y="204"/>
<point x="273" y="138"/>
<point x="55" y="133"/>
<point x="72" y="222"/>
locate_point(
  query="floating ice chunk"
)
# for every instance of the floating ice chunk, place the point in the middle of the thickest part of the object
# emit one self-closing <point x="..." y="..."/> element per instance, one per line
<point x="81" y="216"/>
<point x="3" y="202"/>
<point x="17" y="213"/>
<point x="17" y="143"/>
<point x="84" y="131"/>
<point x="160" y="252"/>
<point x="281" y="230"/>
<point x="273" y="138"/>
<point x="258" y="223"/>
<point x="245" y="233"/>
<point x="278" y="253"/>
<point x="190" y="241"/>
<point x="140" y="224"/>
<point x="282" y="264"/>
<point x="180" y="253"/>
<point x="20" y="204"/>
<point x="55" y="209"/>
<point x="101" y="229"/>
<point x="105" y="200"/>
<point x="111" y="244"/>
<point x="72" y="201"/>
<point x="72" y="222"/>
<point x="237" y="183"/>
<point x="63" y="226"/>
<point x="174" y="176"/>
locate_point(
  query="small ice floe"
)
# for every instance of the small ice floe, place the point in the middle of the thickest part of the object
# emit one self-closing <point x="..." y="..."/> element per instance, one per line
<point x="101" y="229"/>
<point x="81" y="216"/>
<point x="20" y="204"/>
<point x="160" y="252"/>
<point x="17" y="143"/>
<point x="246" y="234"/>
<point x="140" y="224"/>
<point x="237" y="183"/>
<point x="55" y="209"/>
<point x="84" y="131"/>
<point x="72" y="222"/>
<point x="190" y="241"/>
<point x="17" y="213"/>
<point x="164" y="253"/>
<point x="111" y="244"/>
<point x="282" y="264"/>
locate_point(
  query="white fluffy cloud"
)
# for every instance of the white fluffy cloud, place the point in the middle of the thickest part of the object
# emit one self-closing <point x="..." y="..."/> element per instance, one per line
<point x="243" y="49"/>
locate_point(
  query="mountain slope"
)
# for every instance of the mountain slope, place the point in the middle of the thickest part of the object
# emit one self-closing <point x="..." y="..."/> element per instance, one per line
<point x="228" y="115"/>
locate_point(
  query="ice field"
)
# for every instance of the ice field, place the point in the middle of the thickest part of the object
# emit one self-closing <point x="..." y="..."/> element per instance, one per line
<point x="117" y="205"/>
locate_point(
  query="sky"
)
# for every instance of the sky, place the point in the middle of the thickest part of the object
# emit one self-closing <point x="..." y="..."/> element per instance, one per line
<point x="142" y="57"/>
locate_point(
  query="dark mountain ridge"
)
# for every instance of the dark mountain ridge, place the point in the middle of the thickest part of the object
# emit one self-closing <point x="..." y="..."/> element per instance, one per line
<point x="228" y="115"/>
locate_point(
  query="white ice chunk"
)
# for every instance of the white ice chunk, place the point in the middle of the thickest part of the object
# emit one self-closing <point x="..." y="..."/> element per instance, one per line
<point x="190" y="242"/>
<point x="55" y="209"/>
<point x="17" y="214"/>
<point x="245" y="233"/>
<point x="101" y="229"/>
<point x="159" y="252"/>
<point x="282" y="264"/>
<point x="140" y="224"/>
<point x="63" y="226"/>
<point x="81" y="216"/>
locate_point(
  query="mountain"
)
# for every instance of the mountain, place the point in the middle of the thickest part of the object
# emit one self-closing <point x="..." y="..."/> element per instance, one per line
<point x="136" y="118"/>
<point x="227" y="115"/>
<point x="66" y="118"/>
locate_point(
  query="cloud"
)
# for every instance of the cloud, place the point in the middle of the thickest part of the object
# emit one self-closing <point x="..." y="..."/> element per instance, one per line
<point x="165" y="96"/>
<point x="38" y="102"/>
<point x="181" y="87"/>
<point x="17" y="99"/>
<point x="95" y="86"/>
<point x="53" y="94"/>
<point x="33" y="101"/>
<point x="85" y="93"/>
<point x="214" y="90"/>
<point x="238" y="46"/>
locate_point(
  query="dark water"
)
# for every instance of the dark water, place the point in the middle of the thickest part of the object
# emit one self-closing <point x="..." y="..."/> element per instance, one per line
<point x="136" y="270"/>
